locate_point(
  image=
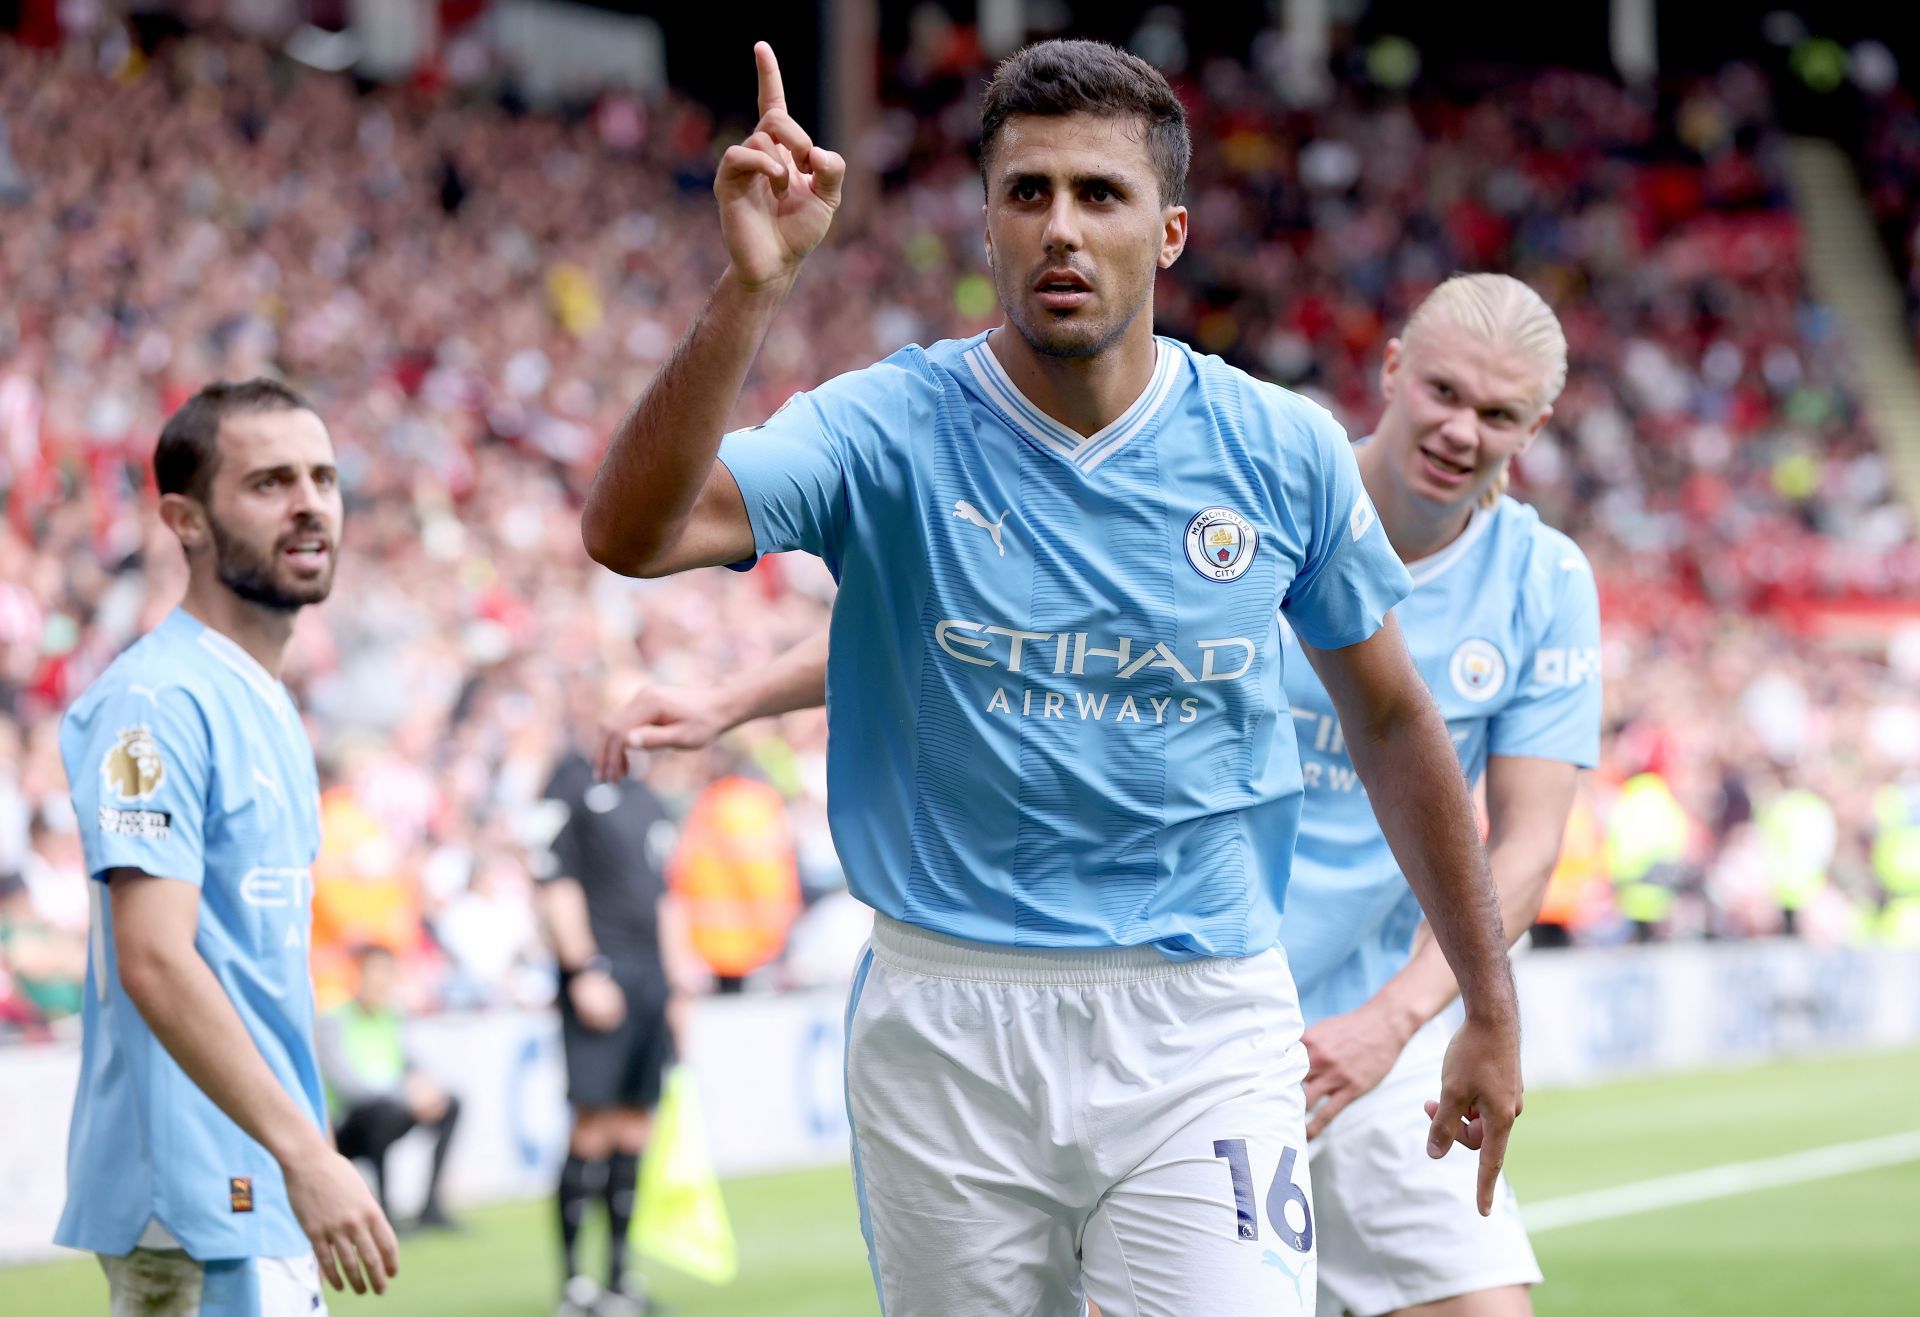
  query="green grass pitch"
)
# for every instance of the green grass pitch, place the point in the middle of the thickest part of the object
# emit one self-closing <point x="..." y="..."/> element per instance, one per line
<point x="1848" y="1244"/>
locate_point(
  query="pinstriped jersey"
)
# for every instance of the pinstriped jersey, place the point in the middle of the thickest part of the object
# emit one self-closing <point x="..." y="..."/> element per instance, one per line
<point x="1054" y="694"/>
<point x="1504" y="626"/>
<point x="188" y="761"/>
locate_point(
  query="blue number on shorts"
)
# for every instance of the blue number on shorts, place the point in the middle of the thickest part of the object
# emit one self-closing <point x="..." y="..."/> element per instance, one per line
<point x="1282" y="1191"/>
<point x="1235" y="1151"/>
<point x="1279" y="1194"/>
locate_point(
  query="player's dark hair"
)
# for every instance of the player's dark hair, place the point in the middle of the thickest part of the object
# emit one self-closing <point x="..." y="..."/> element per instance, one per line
<point x="1053" y="78"/>
<point x="189" y="449"/>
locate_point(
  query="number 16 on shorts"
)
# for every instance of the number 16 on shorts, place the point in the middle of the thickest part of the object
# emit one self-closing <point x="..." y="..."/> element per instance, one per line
<point x="1283" y="1194"/>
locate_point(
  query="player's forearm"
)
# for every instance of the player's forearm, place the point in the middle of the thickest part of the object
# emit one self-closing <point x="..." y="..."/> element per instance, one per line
<point x="1424" y="987"/>
<point x="183" y="1003"/>
<point x="795" y="680"/>
<point x="1419" y="795"/>
<point x="659" y="459"/>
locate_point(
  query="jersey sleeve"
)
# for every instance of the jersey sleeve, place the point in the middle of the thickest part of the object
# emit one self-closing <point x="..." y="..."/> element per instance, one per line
<point x="809" y="465"/>
<point x="1350" y="576"/>
<point x="559" y="806"/>
<point x="1556" y="712"/>
<point x="564" y="857"/>
<point x="152" y="754"/>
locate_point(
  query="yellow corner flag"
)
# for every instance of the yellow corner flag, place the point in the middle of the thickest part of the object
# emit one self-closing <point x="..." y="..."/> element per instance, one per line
<point x="680" y="1218"/>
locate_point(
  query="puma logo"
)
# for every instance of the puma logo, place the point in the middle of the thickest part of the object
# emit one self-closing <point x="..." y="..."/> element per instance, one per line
<point x="967" y="512"/>
<point x="1273" y="1259"/>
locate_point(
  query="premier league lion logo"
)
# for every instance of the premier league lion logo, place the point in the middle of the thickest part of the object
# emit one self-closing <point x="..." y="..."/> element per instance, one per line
<point x="132" y="769"/>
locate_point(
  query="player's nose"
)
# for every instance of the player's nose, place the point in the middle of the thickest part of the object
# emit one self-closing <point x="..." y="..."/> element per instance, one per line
<point x="312" y="506"/>
<point x="1063" y="226"/>
<point x="1461" y="428"/>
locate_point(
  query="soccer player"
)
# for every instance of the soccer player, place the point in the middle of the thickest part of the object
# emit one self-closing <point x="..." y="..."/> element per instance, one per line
<point x="199" y="1166"/>
<point x="1504" y="626"/>
<point x="1061" y="765"/>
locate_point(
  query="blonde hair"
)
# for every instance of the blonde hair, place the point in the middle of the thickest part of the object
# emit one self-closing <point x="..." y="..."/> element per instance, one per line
<point x="1502" y="311"/>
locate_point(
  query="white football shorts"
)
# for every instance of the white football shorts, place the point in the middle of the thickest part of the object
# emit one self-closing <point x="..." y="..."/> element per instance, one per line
<point x="150" y="1282"/>
<point x="1398" y="1228"/>
<point x="1035" y="1128"/>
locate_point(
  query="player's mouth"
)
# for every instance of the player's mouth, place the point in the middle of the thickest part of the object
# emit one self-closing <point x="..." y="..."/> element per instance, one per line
<point x="1062" y="290"/>
<point x="1445" y="471"/>
<point x="307" y="551"/>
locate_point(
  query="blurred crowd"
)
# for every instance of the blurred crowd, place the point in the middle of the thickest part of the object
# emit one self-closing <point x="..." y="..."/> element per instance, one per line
<point x="472" y="294"/>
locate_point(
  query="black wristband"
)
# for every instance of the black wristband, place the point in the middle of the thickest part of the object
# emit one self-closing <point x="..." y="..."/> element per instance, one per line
<point x="595" y="964"/>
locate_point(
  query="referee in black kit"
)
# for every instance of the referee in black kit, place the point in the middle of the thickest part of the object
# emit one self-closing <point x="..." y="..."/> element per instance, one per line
<point x="615" y="931"/>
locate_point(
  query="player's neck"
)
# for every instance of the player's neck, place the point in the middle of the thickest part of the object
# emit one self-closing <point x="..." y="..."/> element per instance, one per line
<point x="1415" y="528"/>
<point x="1085" y="394"/>
<point x="262" y="632"/>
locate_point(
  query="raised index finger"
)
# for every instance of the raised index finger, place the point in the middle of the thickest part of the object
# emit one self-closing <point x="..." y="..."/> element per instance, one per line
<point x="773" y="96"/>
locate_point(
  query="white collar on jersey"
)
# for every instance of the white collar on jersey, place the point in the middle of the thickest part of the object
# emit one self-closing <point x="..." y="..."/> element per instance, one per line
<point x="1083" y="451"/>
<point x="247" y="667"/>
<point x="1430" y="567"/>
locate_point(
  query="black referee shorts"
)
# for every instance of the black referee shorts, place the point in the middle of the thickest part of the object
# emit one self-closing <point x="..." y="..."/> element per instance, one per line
<point x="626" y="1065"/>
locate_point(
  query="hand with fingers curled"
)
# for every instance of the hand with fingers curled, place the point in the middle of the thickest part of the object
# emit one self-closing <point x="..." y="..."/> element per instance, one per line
<point x="1347" y="1057"/>
<point x="777" y="191"/>
<point x="351" y="1237"/>
<point x="1480" y="1097"/>
<point x="660" y="718"/>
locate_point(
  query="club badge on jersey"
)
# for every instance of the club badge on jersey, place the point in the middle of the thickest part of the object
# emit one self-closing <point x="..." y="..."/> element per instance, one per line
<point x="1221" y="544"/>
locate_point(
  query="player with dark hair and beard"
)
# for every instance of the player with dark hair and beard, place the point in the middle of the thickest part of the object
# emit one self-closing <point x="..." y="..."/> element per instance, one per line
<point x="199" y="1165"/>
<point x="1061" y="762"/>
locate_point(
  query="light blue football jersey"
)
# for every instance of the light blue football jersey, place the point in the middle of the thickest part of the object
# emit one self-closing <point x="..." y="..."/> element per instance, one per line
<point x="1054" y="697"/>
<point x="187" y="760"/>
<point x="1504" y="625"/>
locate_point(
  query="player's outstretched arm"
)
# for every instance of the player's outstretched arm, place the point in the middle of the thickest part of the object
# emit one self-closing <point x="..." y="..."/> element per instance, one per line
<point x="154" y="923"/>
<point x="660" y="503"/>
<point x="688" y="717"/>
<point x="1400" y="748"/>
<point x="1528" y="800"/>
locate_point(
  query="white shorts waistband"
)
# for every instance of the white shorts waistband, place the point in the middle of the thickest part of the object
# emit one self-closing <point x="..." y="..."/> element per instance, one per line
<point x="921" y="951"/>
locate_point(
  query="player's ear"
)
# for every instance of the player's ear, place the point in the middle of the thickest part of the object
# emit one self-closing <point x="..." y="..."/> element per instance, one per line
<point x="1539" y="424"/>
<point x="1173" y="234"/>
<point x="1390" y="368"/>
<point x="186" y="518"/>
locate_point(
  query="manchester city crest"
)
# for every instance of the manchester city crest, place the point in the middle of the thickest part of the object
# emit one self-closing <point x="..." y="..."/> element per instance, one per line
<point x="1478" y="670"/>
<point x="1221" y="544"/>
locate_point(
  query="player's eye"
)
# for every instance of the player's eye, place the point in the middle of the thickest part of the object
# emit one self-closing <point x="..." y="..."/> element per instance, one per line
<point x="325" y="479"/>
<point x="1444" y="391"/>
<point x="1497" y="416"/>
<point x="1100" y="192"/>
<point x="1026" y="191"/>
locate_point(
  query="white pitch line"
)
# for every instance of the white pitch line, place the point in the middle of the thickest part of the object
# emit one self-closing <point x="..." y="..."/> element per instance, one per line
<point x="1722" y="1181"/>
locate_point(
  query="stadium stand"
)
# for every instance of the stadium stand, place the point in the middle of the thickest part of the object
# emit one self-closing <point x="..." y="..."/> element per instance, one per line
<point x="472" y="293"/>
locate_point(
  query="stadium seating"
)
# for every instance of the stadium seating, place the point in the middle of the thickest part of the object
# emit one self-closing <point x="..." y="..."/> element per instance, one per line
<point x="472" y="296"/>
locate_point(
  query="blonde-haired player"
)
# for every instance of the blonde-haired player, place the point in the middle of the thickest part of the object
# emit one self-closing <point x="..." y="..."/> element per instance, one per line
<point x="1503" y="624"/>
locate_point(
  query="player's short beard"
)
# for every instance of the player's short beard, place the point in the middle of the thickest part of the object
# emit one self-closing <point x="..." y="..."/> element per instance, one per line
<point x="247" y="572"/>
<point x="1078" y="349"/>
